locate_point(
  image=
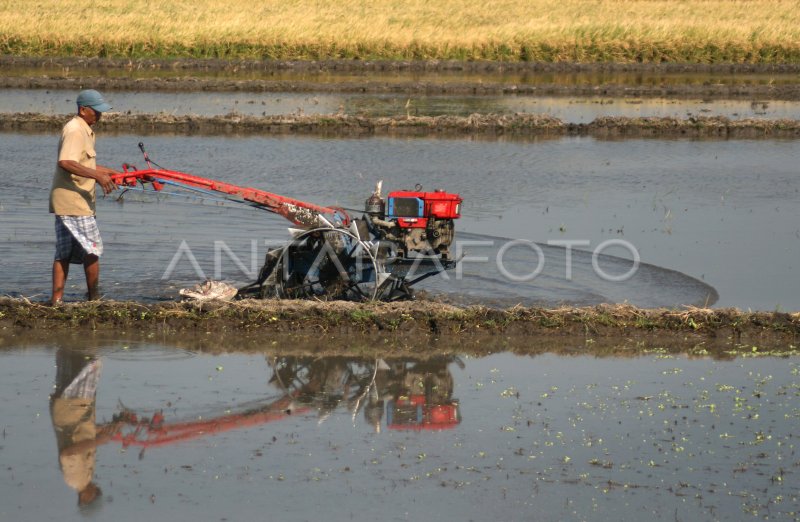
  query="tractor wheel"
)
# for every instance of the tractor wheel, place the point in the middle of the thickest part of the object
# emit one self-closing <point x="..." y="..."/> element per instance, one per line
<point x="328" y="264"/>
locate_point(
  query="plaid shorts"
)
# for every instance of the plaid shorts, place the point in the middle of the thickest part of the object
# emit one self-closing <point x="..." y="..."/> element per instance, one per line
<point x="77" y="236"/>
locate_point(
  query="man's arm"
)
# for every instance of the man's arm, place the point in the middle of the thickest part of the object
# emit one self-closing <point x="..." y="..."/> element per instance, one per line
<point x="101" y="174"/>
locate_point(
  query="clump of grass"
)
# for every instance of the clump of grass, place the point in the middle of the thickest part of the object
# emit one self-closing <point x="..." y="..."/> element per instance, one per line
<point x="362" y="316"/>
<point x="712" y="31"/>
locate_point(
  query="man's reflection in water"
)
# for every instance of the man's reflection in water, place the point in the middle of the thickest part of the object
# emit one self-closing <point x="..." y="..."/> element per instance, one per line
<point x="72" y="409"/>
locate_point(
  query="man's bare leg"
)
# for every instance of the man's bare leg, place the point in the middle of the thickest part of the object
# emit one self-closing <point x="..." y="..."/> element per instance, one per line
<point x="60" y="272"/>
<point x="91" y="266"/>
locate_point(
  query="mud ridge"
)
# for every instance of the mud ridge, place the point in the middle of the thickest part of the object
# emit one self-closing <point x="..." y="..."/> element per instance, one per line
<point x="417" y="324"/>
<point x="708" y="90"/>
<point x="490" y="125"/>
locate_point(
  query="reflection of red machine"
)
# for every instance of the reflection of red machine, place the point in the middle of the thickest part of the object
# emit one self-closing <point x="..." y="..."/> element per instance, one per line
<point x="131" y="430"/>
<point x="424" y="400"/>
<point x="416" y="395"/>
<point x="415" y="413"/>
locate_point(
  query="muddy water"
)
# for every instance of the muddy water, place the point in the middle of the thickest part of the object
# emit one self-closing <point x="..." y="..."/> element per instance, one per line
<point x="572" y="109"/>
<point x="703" y="216"/>
<point x="238" y="436"/>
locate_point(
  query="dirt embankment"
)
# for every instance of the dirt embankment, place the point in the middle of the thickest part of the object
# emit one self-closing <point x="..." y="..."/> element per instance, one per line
<point x="489" y="125"/>
<point x="717" y="81"/>
<point x="708" y="90"/>
<point x="417" y="327"/>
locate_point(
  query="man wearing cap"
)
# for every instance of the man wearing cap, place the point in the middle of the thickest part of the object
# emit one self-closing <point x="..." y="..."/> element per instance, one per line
<point x="72" y="197"/>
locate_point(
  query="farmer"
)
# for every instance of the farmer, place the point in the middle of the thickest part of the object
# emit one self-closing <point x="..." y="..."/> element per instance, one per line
<point x="72" y="197"/>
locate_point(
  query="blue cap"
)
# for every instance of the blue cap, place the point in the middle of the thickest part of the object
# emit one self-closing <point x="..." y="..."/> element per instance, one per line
<point x="93" y="99"/>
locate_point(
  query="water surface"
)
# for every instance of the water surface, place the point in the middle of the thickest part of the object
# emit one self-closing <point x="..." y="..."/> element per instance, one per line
<point x="570" y="109"/>
<point x="235" y="436"/>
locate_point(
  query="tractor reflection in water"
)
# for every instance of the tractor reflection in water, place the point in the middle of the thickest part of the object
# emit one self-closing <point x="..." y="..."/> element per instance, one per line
<point x="415" y="394"/>
<point x="425" y="400"/>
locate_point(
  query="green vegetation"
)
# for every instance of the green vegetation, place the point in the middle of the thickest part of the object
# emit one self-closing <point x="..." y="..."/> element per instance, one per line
<point x="625" y="31"/>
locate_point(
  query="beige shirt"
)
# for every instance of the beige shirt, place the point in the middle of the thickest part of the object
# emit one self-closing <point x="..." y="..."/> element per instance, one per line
<point x="74" y="195"/>
<point x="74" y="422"/>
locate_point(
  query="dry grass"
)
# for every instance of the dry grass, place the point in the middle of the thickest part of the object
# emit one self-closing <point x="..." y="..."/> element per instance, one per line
<point x="699" y="31"/>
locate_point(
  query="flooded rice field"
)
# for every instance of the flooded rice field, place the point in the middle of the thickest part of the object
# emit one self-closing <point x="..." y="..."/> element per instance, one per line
<point x="183" y="434"/>
<point x="569" y="109"/>
<point x="216" y="426"/>
<point x="648" y="222"/>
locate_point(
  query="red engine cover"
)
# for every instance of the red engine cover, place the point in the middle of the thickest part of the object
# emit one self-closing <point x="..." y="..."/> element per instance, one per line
<point x="437" y="204"/>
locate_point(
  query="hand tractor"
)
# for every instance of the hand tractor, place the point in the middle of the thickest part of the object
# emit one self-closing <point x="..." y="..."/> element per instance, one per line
<point x="398" y="241"/>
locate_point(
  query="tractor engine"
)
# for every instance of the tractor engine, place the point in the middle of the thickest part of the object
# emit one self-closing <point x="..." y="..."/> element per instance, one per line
<point x="418" y="222"/>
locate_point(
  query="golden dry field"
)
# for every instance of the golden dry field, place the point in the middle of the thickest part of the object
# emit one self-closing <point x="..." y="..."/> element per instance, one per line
<point x="650" y="31"/>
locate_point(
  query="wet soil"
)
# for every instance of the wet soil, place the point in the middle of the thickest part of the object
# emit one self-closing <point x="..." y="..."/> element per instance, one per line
<point x="490" y="125"/>
<point x="309" y="326"/>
